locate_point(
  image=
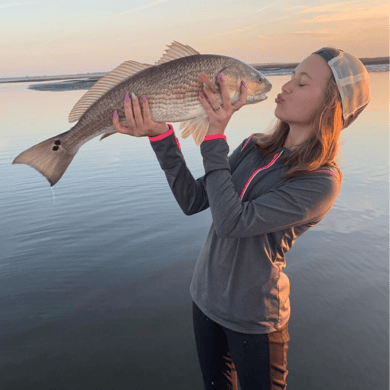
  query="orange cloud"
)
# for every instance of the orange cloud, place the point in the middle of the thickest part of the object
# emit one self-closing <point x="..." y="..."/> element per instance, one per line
<point x="324" y="32"/>
<point x="327" y="7"/>
<point x="348" y="14"/>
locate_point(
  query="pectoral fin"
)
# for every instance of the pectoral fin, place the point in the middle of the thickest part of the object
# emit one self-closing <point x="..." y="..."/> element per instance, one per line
<point x="197" y="127"/>
<point x="204" y="79"/>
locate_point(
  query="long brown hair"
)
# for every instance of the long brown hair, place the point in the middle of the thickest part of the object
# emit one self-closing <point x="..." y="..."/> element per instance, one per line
<point x="320" y="149"/>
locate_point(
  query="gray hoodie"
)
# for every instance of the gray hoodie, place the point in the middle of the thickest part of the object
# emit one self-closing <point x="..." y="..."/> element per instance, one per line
<point x="257" y="215"/>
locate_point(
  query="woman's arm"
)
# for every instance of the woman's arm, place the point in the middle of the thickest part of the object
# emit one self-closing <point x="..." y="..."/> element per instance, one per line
<point x="298" y="201"/>
<point x="190" y="194"/>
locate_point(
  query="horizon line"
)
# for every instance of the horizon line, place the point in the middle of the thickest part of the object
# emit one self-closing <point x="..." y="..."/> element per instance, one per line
<point x="257" y="66"/>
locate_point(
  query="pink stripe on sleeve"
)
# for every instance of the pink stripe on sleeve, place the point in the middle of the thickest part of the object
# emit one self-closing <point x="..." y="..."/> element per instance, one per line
<point x="246" y="143"/>
<point x="163" y="135"/>
<point x="214" y="136"/>
<point x="323" y="170"/>
<point x="177" y="143"/>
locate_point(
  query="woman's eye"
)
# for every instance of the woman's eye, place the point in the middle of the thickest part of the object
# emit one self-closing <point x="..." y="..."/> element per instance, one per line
<point x="301" y="85"/>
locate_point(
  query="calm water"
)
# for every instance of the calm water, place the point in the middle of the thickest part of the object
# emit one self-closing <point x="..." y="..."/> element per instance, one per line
<point x="95" y="277"/>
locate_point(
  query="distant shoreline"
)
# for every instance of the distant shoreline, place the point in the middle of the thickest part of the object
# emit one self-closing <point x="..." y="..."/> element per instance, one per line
<point x="88" y="76"/>
<point x="366" y="61"/>
<point x="98" y="75"/>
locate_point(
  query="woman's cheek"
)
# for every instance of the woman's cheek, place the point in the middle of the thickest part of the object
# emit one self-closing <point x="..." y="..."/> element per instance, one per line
<point x="316" y="105"/>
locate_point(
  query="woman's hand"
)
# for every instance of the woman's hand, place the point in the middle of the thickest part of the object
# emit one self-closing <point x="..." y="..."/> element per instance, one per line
<point x="219" y="116"/>
<point x="139" y="125"/>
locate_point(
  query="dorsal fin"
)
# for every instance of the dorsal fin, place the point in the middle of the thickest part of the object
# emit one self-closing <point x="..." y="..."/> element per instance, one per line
<point x="176" y="50"/>
<point x="105" y="84"/>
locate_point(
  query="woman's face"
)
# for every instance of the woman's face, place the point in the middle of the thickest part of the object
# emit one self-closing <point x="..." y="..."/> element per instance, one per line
<point x="303" y="95"/>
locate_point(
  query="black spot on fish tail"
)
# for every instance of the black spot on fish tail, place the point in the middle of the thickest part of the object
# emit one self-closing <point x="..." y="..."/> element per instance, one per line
<point x="41" y="158"/>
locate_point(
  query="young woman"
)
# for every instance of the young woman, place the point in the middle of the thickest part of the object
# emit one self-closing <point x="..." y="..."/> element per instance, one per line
<point x="262" y="197"/>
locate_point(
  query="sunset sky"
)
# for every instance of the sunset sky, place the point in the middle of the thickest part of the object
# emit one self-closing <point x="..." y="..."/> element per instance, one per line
<point x="67" y="37"/>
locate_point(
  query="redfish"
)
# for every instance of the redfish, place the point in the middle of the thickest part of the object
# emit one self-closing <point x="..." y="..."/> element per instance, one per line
<point x="171" y="85"/>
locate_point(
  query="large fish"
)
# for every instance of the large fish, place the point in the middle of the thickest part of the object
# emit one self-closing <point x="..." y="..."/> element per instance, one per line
<point x="171" y="86"/>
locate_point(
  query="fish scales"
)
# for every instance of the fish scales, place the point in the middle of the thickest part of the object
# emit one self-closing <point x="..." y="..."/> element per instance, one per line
<point x="172" y="90"/>
<point x="170" y="94"/>
<point x="170" y="87"/>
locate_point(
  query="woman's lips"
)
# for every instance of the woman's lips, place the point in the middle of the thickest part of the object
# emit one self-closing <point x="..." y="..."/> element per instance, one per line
<point x="279" y="99"/>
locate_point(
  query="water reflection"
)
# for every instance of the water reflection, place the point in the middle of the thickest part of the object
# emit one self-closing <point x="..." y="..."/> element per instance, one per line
<point x="94" y="286"/>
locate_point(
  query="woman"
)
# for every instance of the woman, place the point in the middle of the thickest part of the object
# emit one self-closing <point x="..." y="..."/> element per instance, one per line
<point x="262" y="197"/>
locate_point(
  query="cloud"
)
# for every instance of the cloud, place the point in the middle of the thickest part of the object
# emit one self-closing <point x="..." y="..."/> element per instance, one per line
<point x="326" y="7"/>
<point x="143" y="7"/>
<point x="324" y="32"/>
<point x="102" y="19"/>
<point x="295" y="7"/>
<point x="237" y="30"/>
<point x="348" y="14"/>
<point x="53" y="39"/>
<point x="17" y="4"/>
<point x="258" y="10"/>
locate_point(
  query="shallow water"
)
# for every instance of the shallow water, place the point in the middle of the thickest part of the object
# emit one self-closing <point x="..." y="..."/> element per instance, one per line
<point x="95" y="279"/>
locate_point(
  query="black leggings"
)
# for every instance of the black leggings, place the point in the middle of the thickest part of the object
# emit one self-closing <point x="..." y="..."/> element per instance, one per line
<point x="259" y="360"/>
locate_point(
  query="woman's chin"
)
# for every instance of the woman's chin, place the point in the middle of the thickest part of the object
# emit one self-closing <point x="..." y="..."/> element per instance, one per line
<point x="277" y="114"/>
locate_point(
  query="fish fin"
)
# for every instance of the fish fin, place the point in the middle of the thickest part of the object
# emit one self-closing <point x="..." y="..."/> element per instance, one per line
<point x="176" y="50"/>
<point x="51" y="157"/>
<point x="204" y="79"/>
<point x="187" y="130"/>
<point x="197" y="127"/>
<point x="107" y="134"/>
<point x="102" y="86"/>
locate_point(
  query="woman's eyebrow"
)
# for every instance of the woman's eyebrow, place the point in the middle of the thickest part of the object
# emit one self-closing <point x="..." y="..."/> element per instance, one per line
<point x="303" y="73"/>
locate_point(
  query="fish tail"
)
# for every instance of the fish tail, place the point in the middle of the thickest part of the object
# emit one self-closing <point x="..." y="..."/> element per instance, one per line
<point x="51" y="157"/>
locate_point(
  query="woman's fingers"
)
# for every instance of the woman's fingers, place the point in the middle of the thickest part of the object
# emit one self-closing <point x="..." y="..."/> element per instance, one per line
<point x="227" y="105"/>
<point x="211" y="96"/>
<point x="206" y="105"/>
<point x="224" y="91"/>
<point x="243" y="95"/>
<point x="133" y="115"/>
<point x="129" y="114"/>
<point x="137" y="111"/>
<point x="146" y="111"/>
<point x="117" y="125"/>
<point x="140" y="123"/>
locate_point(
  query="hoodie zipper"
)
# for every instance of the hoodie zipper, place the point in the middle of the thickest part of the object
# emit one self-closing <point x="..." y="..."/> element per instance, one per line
<point x="276" y="156"/>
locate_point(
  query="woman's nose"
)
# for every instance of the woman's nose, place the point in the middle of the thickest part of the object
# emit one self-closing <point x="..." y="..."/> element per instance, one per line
<point x="286" y="88"/>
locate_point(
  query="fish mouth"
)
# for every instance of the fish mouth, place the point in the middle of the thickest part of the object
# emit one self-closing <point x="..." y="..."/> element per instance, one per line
<point x="266" y="89"/>
<point x="263" y="96"/>
<point x="257" y="98"/>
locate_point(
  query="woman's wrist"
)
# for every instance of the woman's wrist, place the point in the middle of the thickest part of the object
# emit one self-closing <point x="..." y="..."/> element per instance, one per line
<point x="158" y="132"/>
<point x="163" y="134"/>
<point x="216" y="129"/>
